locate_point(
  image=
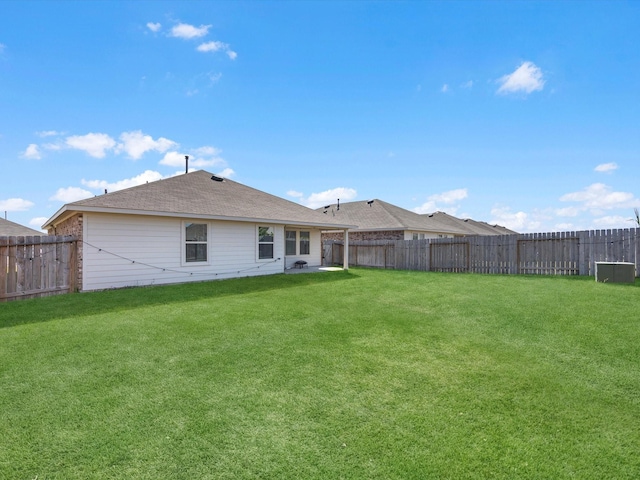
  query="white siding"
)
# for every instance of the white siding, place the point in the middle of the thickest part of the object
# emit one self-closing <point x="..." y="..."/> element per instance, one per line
<point x="128" y="250"/>
<point x="314" y="259"/>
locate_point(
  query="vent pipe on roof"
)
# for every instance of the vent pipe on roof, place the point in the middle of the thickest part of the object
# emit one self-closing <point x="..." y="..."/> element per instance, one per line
<point x="338" y="205"/>
<point x="186" y="161"/>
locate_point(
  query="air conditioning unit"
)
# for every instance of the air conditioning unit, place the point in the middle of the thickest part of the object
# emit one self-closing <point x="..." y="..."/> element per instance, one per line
<point x="615" y="272"/>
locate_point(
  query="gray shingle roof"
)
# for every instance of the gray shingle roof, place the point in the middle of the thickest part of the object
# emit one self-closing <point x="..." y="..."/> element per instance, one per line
<point x="12" y="229"/>
<point x="473" y="227"/>
<point x="380" y="215"/>
<point x="196" y="194"/>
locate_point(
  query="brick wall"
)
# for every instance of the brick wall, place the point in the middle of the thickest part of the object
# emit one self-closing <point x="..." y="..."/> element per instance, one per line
<point x="72" y="226"/>
<point x="356" y="236"/>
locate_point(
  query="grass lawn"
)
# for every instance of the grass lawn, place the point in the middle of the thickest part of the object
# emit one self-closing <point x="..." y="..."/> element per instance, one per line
<point x="361" y="374"/>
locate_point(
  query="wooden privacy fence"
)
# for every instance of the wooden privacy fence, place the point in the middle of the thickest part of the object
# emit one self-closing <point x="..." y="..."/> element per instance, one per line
<point x="37" y="266"/>
<point x="563" y="253"/>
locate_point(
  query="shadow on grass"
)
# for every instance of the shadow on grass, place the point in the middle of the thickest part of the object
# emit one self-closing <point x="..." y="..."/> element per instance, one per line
<point x="22" y="312"/>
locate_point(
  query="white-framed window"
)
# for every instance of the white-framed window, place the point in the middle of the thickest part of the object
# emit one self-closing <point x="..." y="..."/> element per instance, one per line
<point x="305" y="242"/>
<point x="196" y="245"/>
<point x="415" y="236"/>
<point x="290" y="241"/>
<point x="265" y="243"/>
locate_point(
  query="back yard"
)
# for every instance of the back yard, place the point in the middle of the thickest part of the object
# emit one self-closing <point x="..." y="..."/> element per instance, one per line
<point x="360" y="374"/>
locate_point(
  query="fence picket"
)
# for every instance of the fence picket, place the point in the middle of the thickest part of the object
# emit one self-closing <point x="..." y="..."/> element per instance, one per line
<point x="555" y="253"/>
<point x="34" y="266"/>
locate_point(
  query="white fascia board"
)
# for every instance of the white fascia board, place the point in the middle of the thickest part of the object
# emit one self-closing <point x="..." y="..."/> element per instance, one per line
<point x="58" y="214"/>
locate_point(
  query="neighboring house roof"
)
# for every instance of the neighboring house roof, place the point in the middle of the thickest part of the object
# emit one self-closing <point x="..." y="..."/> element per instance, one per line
<point x="473" y="227"/>
<point x="497" y="229"/>
<point x="377" y="215"/>
<point x="197" y="195"/>
<point x="12" y="229"/>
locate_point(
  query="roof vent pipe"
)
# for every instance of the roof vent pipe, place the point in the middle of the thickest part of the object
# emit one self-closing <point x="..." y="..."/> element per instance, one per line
<point x="338" y="205"/>
<point x="186" y="161"/>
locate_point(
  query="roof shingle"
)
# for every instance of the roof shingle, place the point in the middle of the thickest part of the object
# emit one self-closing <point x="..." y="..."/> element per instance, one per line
<point x="197" y="194"/>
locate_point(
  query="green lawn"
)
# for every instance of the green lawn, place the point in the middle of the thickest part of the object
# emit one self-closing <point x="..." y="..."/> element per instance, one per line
<point x="361" y="374"/>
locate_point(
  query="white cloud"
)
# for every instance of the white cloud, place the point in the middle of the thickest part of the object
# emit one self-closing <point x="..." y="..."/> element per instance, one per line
<point x="217" y="46"/>
<point x="317" y="200"/>
<point x="207" y="151"/>
<point x="606" y="167"/>
<point x="186" y="31"/>
<point x="136" y="144"/>
<point x="15" y="205"/>
<point x="567" y="212"/>
<point x="48" y="133"/>
<point x="445" y="88"/>
<point x="443" y="202"/>
<point x="468" y="84"/>
<point x="2" y="48"/>
<point x="53" y="146"/>
<point x="611" y="221"/>
<point x="154" y="27"/>
<point x="598" y="196"/>
<point x="144" y="177"/>
<point x="526" y="78"/>
<point x="214" y="46"/>
<point x="32" y="152"/>
<point x="202" y="158"/>
<point x="174" y="159"/>
<point x="37" y="222"/>
<point x="70" y="194"/>
<point x="226" y="173"/>
<point x="214" y="77"/>
<point x="518" y="221"/>
<point x="295" y="194"/>
<point x="94" y="144"/>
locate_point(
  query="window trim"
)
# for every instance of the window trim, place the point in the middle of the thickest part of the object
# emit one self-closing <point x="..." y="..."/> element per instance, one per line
<point x="295" y="243"/>
<point x="183" y="243"/>
<point x="308" y="232"/>
<point x="272" y="243"/>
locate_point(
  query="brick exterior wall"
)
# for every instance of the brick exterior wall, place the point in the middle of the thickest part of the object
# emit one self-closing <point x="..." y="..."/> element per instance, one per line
<point x="72" y="226"/>
<point x="356" y="236"/>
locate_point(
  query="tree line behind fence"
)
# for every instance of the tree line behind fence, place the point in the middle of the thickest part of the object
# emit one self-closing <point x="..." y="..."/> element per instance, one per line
<point x="562" y="253"/>
<point x="37" y="266"/>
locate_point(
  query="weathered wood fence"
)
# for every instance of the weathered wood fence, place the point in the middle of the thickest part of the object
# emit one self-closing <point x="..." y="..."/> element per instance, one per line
<point x="37" y="266"/>
<point x="563" y="253"/>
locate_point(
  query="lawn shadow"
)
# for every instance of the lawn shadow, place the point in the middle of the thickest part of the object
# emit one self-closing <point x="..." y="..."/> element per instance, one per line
<point x="22" y="312"/>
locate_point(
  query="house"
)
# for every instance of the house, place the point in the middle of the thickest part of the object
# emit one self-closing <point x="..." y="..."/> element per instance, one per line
<point x="12" y="229"/>
<point x="379" y="220"/>
<point x="190" y="227"/>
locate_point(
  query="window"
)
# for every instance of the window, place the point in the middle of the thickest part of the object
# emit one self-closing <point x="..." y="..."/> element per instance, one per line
<point x="415" y="236"/>
<point x="195" y="236"/>
<point x="305" y="239"/>
<point x="265" y="242"/>
<point x="290" y="242"/>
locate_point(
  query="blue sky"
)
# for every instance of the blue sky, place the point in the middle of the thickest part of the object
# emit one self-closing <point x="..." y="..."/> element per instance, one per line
<point x="525" y="114"/>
